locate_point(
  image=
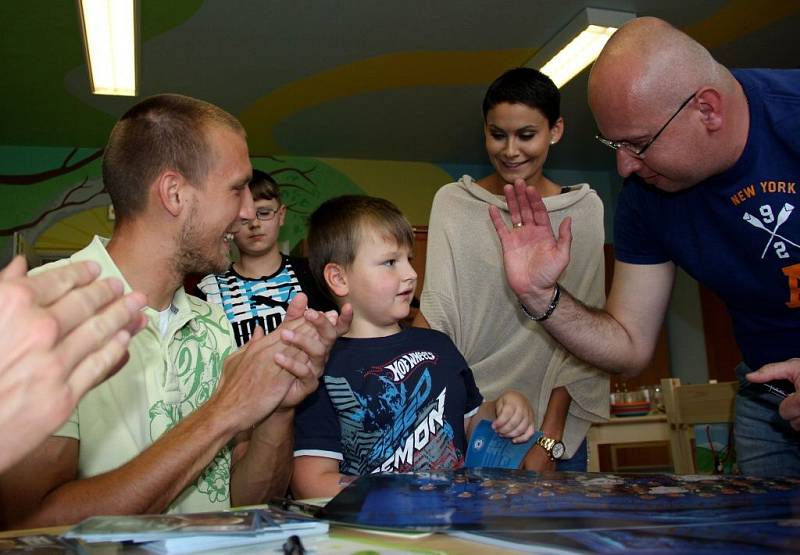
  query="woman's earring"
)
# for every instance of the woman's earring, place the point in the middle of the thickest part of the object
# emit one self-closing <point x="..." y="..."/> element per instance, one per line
<point x="552" y="141"/>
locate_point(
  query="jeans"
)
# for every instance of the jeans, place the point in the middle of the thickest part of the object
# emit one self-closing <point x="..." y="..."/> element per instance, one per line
<point x="766" y="445"/>
<point x="578" y="461"/>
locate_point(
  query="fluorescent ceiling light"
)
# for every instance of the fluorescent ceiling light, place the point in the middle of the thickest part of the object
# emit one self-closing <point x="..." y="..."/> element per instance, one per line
<point x="578" y="44"/>
<point x="110" y="29"/>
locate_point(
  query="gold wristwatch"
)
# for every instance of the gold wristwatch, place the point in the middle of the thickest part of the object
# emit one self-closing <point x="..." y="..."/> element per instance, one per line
<point x="555" y="449"/>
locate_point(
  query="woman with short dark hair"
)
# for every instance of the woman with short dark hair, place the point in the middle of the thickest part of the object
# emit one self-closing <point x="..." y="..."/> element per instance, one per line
<point x="466" y="294"/>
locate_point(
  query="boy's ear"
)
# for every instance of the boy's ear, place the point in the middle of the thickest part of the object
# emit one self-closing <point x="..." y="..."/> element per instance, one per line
<point x="336" y="278"/>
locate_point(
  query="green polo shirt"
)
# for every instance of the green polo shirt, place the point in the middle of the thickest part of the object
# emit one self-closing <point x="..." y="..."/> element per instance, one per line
<point x="166" y="379"/>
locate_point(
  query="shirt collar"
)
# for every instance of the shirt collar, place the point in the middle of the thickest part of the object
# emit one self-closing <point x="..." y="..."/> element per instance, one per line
<point x="96" y="251"/>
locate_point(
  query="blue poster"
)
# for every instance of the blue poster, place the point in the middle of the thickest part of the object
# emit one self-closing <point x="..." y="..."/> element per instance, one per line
<point x="584" y="512"/>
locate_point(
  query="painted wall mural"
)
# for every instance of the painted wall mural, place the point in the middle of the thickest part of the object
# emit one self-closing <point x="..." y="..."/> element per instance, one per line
<point x="53" y="199"/>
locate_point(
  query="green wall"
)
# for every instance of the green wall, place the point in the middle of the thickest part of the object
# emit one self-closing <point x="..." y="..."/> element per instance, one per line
<point x="42" y="187"/>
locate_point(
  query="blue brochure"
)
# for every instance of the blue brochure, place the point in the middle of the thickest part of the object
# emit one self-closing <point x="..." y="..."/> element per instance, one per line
<point x="487" y="449"/>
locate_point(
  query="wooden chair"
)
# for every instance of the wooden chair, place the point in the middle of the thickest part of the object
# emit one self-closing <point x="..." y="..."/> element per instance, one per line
<point x="687" y="405"/>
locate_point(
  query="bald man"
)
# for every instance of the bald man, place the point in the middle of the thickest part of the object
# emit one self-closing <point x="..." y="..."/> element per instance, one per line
<point x="711" y="161"/>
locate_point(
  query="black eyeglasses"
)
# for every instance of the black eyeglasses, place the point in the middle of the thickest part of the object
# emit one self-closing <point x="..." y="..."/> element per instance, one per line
<point x="632" y="149"/>
<point x="263" y="215"/>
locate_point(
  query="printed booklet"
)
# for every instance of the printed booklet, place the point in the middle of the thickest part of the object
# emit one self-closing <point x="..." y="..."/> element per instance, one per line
<point x="487" y="449"/>
<point x="184" y="533"/>
<point x="40" y="545"/>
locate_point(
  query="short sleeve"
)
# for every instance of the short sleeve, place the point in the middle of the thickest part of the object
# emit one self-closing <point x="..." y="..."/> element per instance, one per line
<point x="208" y="289"/>
<point x="473" y="399"/>
<point x="472" y="395"/>
<point x="70" y="428"/>
<point x="635" y="219"/>
<point x="316" y="427"/>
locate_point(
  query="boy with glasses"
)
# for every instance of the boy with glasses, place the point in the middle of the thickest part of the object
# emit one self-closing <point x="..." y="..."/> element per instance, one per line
<point x="256" y="289"/>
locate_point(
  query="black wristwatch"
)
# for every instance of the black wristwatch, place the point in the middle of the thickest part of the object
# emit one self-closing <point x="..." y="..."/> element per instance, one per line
<point x="555" y="449"/>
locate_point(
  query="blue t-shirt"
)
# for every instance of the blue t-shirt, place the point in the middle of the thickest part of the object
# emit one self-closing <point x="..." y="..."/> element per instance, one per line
<point x="736" y="232"/>
<point x="390" y="404"/>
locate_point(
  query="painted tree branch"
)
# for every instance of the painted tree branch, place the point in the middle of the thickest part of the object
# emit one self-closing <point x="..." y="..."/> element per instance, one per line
<point x="285" y="186"/>
<point x="65" y="168"/>
<point x="302" y="173"/>
<point x="64" y="204"/>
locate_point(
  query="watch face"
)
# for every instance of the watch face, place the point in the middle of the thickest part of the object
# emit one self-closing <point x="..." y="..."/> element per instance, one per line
<point x="558" y="450"/>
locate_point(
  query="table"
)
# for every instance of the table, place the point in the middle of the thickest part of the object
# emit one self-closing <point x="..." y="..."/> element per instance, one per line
<point x="372" y="542"/>
<point x="651" y="428"/>
<point x="668" y="513"/>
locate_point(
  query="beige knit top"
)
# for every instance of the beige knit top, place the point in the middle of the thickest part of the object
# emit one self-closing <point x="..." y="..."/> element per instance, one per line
<point x="466" y="296"/>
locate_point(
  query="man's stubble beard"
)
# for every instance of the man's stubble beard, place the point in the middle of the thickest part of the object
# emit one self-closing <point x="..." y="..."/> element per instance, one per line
<point x="190" y="257"/>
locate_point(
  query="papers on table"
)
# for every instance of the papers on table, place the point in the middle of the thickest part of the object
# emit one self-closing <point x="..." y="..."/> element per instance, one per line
<point x="43" y="544"/>
<point x="185" y="533"/>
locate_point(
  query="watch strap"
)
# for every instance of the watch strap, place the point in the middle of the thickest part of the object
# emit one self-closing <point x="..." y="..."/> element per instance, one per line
<point x="546" y="443"/>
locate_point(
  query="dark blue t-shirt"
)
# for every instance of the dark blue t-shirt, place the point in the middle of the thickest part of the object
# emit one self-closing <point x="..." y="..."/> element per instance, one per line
<point x="390" y="404"/>
<point x="738" y="233"/>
